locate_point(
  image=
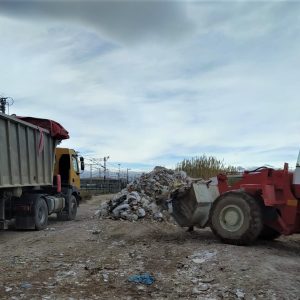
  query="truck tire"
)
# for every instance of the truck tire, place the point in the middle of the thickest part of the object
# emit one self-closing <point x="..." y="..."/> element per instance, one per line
<point x="269" y="233"/>
<point x="40" y="214"/>
<point x="70" y="213"/>
<point x="236" y="218"/>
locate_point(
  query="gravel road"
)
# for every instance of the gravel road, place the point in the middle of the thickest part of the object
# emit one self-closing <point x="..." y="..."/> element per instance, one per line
<point x="92" y="259"/>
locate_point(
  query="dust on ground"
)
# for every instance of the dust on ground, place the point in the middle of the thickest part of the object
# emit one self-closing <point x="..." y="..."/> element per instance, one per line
<point x="92" y="259"/>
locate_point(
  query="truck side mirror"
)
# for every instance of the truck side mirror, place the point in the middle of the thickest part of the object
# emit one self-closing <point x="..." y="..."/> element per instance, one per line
<point x="82" y="163"/>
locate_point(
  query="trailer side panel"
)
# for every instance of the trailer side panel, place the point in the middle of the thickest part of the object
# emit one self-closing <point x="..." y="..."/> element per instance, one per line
<point x="26" y="154"/>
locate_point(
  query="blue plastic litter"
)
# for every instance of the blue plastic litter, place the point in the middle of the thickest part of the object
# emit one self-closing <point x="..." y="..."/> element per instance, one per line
<point x="26" y="285"/>
<point x="145" y="278"/>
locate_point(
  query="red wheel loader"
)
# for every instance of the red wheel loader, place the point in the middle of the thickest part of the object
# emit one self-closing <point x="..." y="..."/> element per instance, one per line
<point x="263" y="203"/>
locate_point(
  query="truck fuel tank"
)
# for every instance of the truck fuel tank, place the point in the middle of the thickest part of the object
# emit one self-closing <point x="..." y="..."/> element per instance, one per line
<point x="55" y="203"/>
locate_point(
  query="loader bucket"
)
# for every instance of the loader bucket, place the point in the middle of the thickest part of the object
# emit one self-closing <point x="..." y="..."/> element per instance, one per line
<point x="191" y="207"/>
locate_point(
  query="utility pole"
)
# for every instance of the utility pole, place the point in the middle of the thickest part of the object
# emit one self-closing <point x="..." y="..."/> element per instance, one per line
<point x="2" y="105"/>
<point x="119" y="177"/>
<point x="105" y="160"/>
<point x="127" y="177"/>
<point x="91" y="173"/>
<point x="5" y="101"/>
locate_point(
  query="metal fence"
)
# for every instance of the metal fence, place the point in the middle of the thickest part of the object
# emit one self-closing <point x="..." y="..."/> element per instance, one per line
<point x="102" y="186"/>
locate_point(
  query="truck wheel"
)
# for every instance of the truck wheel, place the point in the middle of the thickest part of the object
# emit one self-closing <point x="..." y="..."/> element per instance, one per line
<point x="72" y="208"/>
<point x="269" y="233"/>
<point x="40" y="214"/>
<point x="236" y="218"/>
<point x="71" y="212"/>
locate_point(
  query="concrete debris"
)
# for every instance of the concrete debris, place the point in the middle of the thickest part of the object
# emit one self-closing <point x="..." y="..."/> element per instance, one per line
<point x="203" y="256"/>
<point x="147" y="196"/>
<point x="141" y="213"/>
<point x="158" y="216"/>
<point x="50" y="229"/>
<point x="105" y="277"/>
<point x="203" y="287"/>
<point x="240" y="294"/>
<point x="195" y="291"/>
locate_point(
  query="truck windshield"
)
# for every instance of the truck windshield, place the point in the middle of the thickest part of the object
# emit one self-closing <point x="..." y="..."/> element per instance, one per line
<point x="75" y="164"/>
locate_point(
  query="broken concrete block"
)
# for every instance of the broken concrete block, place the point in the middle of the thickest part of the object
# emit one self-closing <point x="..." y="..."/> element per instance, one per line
<point x="158" y="216"/>
<point x="141" y="212"/>
<point x="117" y="210"/>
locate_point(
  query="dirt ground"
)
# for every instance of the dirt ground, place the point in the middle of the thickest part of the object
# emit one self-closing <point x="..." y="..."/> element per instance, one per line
<point x="92" y="259"/>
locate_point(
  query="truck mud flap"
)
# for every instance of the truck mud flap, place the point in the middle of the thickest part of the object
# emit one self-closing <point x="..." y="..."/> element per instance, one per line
<point x="24" y="222"/>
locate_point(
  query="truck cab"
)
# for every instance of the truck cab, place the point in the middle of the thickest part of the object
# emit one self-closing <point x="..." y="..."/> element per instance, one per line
<point x="66" y="165"/>
<point x="66" y="168"/>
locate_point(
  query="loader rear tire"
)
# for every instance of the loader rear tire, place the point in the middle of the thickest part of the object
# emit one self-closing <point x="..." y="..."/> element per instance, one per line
<point x="236" y="218"/>
<point x="269" y="234"/>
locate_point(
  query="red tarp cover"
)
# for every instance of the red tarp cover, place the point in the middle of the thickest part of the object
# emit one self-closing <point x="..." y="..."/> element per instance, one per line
<point x="55" y="129"/>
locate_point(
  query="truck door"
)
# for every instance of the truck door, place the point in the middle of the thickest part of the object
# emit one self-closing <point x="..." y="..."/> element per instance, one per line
<point x="74" y="172"/>
<point x="64" y="169"/>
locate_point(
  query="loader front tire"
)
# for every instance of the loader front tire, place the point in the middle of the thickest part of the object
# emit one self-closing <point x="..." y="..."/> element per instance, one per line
<point x="236" y="218"/>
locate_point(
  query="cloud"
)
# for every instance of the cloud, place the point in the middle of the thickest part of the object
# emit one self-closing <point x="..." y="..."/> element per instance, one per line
<point x="126" y="21"/>
<point x="220" y="79"/>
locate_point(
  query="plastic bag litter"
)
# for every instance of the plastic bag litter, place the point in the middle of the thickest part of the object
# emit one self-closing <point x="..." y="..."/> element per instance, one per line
<point x="145" y="278"/>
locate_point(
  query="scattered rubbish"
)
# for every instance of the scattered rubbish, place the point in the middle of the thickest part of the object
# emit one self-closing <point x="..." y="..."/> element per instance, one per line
<point x="8" y="289"/>
<point x="207" y="280"/>
<point x="195" y="291"/>
<point x="240" y="294"/>
<point x="158" y="216"/>
<point x="105" y="277"/>
<point x="140" y="287"/>
<point x="203" y="287"/>
<point x="118" y="243"/>
<point x="50" y="229"/>
<point x="147" y="196"/>
<point x="61" y="275"/>
<point x="96" y="231"/>
<point x="145" y="278"/>
<point x="26" y="285"/>
<point x="203" y="256"/>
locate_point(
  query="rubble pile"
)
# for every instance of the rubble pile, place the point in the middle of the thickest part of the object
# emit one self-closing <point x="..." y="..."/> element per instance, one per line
<point x="146" y="196"/>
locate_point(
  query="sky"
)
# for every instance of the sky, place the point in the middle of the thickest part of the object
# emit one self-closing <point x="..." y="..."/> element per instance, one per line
<point x="153" y="82"/>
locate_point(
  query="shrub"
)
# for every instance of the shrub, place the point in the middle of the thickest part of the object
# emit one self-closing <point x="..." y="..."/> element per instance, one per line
<point x="205" y="167"/>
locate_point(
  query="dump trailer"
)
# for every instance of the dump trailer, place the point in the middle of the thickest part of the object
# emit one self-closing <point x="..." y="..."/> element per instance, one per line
<point x="262" y="203"/>
<point x="36" y="178"/>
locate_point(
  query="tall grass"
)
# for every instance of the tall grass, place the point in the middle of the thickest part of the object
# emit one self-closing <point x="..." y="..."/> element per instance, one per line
<point x="205" y="167"/>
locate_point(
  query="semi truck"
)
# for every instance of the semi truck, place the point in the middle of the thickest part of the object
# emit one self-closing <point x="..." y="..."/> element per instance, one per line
<point x="37" y="178"/>
<point x="261" y="203"/>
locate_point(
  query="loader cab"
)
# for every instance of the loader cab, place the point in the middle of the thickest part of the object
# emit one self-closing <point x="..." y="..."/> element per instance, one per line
<point x="67" y="166"/>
